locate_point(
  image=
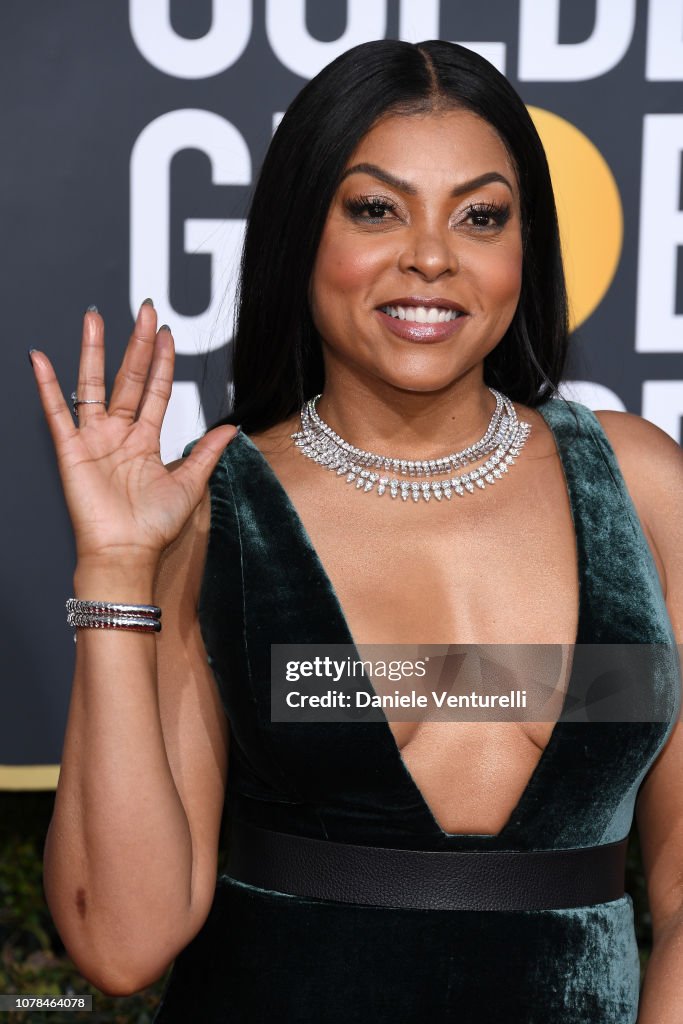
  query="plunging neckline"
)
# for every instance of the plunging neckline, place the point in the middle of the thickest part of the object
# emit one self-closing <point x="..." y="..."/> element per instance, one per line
<point x="580" y="567"/>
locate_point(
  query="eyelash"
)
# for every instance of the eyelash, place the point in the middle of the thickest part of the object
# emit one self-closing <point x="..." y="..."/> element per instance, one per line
<point x="498" y="212"/>
<point x="356" y="205"/>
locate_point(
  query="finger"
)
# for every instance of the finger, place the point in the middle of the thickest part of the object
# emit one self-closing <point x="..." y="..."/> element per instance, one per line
<point x="130" y="381"/>
<point x="157" y="390"/>
<point x="90" y="387"/>
<point x="195" y="470"/>
<point x="57" y="412"/>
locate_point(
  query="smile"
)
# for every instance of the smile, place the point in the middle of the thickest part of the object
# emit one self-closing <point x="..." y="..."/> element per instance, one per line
<point x="422" y="314"/>
<point x="422" y="324"/>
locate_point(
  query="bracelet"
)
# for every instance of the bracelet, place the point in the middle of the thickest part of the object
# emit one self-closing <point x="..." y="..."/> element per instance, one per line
<point x="143" y="618"/>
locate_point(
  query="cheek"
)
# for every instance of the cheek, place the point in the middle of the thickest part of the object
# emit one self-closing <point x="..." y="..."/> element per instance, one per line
<point x="345" y="265"/>
<point x="501" y="275"/>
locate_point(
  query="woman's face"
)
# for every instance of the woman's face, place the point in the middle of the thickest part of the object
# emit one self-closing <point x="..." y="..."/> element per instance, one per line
<point x="427" y="215"/>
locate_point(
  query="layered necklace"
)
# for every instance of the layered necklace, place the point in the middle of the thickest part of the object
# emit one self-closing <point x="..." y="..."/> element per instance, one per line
<point x="505" y="437"/>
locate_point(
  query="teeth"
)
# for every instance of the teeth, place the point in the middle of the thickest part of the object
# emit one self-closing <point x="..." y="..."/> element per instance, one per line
<point x="422" y="314"/>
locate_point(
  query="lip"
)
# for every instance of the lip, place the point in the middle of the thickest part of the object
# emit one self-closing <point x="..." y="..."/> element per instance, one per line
<point x="423" y="333"/>
<point x="424" y="300"/>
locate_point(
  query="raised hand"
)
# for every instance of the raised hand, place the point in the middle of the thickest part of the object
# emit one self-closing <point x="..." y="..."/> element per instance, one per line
<point x="125" y="505"/>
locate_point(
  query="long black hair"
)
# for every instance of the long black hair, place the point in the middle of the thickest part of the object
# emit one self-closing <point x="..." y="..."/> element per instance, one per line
<point x="277" y="358"/>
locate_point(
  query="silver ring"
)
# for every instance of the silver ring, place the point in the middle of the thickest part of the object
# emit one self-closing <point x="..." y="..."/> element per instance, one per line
<point x="76" y="401"/>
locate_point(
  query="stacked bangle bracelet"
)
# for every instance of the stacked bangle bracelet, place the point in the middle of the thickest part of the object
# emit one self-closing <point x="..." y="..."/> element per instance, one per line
<point x="144" y="618"/>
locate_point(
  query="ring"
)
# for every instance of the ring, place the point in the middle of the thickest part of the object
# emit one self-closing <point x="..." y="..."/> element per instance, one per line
<point x="76" y="401"/>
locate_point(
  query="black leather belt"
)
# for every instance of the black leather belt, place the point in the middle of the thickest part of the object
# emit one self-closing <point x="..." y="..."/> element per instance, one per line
<point x="426" y="879"/>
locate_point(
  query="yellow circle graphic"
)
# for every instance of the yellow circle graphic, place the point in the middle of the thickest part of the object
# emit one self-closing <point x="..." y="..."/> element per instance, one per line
<point x="588" y="209"/>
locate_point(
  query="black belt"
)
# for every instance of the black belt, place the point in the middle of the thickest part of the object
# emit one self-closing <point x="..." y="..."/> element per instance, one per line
<point x="426" y="879"/>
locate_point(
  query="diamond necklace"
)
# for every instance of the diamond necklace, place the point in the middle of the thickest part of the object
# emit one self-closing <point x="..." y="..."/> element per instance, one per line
<point x="505" y="436"/>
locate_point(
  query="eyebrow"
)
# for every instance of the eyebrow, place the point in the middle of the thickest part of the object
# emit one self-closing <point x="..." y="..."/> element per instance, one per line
<point x="411" y="190"/>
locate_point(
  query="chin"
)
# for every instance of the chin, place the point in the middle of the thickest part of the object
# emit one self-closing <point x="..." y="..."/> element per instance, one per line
<point x="421" y="383"/>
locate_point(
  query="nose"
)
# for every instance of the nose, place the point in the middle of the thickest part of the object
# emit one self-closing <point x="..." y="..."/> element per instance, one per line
<point x="429" y="252"/>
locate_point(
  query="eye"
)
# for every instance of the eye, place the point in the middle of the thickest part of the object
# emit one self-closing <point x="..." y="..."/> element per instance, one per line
<point x="487" y="216"/>
<point x="376" y="207"/>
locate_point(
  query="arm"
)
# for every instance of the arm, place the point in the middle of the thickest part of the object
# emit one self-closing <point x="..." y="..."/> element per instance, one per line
<point x="131" y="852"/>
<point x="652" y="464"/>
<point x="131" y="849"/>
<point x="659" y="813"/>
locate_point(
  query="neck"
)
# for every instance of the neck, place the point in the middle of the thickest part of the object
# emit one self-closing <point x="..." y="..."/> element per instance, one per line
<point x="407" y="423"/>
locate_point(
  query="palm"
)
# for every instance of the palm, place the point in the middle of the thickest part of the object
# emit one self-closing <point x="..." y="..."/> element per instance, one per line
<point x="121" y="498"/>
<point x="118" y="489"/>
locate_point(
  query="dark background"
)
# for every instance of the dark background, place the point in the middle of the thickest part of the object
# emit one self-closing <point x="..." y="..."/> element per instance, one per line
<point x="76" y="95"/>
<point x="77" y="92"/>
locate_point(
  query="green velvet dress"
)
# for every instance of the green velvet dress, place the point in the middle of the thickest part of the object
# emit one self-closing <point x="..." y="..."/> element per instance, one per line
<point x="267" y="956"/>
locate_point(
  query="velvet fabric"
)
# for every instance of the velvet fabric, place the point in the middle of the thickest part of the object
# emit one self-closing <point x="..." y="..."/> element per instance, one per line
<point x="268" y="956"/>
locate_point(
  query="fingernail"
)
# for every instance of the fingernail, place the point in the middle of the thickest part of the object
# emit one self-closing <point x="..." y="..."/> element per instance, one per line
<point x="30" y="355"/>
<point x="148" y="302"/>
<point x="165" y="327"/>
<point x="92" y="309"/>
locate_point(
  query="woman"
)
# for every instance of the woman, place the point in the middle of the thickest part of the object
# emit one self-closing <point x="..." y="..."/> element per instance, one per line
<point x="402" y="258"/>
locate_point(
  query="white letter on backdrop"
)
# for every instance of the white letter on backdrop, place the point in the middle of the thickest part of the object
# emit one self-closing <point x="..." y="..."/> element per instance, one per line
<point x="220" y="48"/>
<point x="150" y="199"/>
<point x="183" y="421"/>
<point x="305" y="55"/>
<point x="592" y="394"/>
<point x="419" y="19"/>
<point x="664" y="60"/>
<point x="543" y="59"/>
<point x="658" y="327"/>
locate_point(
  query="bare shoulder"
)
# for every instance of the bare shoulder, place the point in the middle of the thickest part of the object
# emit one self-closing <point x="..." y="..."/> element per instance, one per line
<point x="651" y="462"/>
<point x="639" y="438"/>
<point x="649" y="458"/>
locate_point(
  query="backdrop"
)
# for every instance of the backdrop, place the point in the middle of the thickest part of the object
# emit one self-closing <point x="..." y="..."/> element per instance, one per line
<point x="131" y="135"/>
